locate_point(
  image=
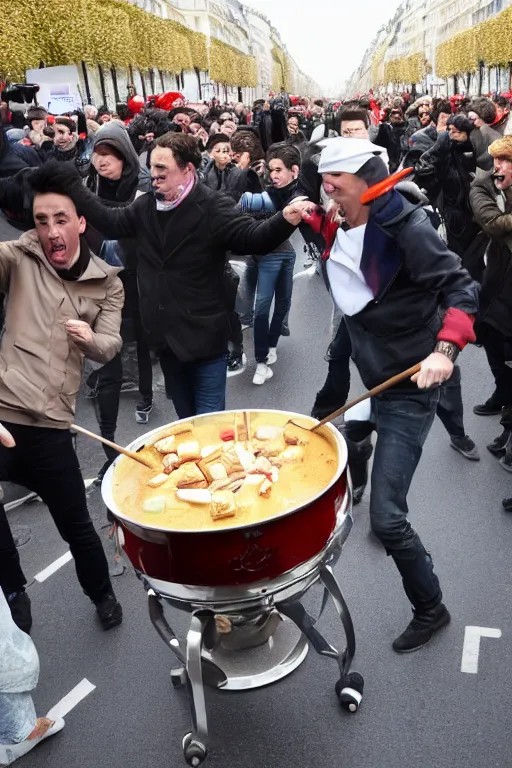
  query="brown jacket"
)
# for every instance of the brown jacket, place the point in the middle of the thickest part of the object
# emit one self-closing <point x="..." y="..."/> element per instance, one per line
<point x="40" y="366"/>
<point x="493" y="211"/>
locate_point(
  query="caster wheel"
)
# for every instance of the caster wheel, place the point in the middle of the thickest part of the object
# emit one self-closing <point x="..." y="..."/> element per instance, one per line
<point x="349" y="691"/>
<point x="178" y="677"/>
<point x="193" y="751"/>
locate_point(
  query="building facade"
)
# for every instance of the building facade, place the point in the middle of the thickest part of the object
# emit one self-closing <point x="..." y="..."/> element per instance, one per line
<point x="441" y="47"/>
<point x="202" y="48"/>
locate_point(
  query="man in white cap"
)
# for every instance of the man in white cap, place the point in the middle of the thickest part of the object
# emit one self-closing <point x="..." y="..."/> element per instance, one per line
<point x="405" y="299"/>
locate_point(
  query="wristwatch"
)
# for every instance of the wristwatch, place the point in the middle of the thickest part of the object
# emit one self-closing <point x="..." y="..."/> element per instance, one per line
<point x="447" y="348"/>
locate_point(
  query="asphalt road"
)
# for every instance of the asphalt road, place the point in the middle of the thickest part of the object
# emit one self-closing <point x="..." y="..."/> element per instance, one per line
<point x="419" y="710"/>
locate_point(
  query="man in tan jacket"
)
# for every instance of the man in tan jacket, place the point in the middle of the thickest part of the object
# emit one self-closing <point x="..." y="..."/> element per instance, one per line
<point x="63" y="304"/>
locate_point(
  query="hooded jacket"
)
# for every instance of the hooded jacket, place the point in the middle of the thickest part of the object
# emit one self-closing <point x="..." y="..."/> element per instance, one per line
<point x="414" y="279"/>
<point x="40" y="366"/>
<point x="133" y="178"/>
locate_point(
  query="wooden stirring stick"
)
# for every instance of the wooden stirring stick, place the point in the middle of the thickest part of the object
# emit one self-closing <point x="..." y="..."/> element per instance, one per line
<point x="115" y="446"/>
<point x="372" y="393"/>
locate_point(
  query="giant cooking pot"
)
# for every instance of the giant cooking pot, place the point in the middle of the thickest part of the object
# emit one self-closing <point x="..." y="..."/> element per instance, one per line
<point x="238" y="555"/>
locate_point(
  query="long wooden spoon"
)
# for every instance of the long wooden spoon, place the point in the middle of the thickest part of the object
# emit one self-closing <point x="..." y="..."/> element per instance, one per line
<point x="372" y="393"/>
<point x="115" y="446"/>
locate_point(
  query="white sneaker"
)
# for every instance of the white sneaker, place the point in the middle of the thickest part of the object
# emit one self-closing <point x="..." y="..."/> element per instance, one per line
<point x="263" y="374"/>
<point x="272" y="356"/>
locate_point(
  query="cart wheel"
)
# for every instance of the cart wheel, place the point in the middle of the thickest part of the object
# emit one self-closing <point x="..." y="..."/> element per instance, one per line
<point x="193" y="751"/>
<point x="178" y="677"/>
<point x="349" y="690"/>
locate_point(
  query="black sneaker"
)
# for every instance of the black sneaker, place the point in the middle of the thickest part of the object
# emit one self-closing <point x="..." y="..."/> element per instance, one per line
<point x="497" y="447"/>
<point x="19" y="603"/>
<point x="237" y="363"/>
<point x="507" y="504"/>
<point x="466" y="447"/>
<point x="129" y="386"/>
<point x="101" y="474"/>
<point x="143" y="409"/>
<point x="489" y="408"/>
<point x="421" y="629"/>
<point x="506" y="462"/>
<point x="110" y="611"/>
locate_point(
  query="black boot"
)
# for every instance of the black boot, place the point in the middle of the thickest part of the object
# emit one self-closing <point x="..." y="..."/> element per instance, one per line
<point x="491" y="407"/>
<point x="359" y="445"/>
<point x="497" y="447"/>
<point x="506" y="460"/>
<point x="359" y="455"/>
<point x="421" y="629"/>
<point x="507" y="504"/>
<point x="110" y="611"/>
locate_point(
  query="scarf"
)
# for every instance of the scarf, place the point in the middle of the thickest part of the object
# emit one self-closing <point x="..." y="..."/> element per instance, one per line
<point x="182" y="193"/>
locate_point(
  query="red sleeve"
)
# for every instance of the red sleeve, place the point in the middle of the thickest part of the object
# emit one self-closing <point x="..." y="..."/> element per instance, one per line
<point x="457" y="328"/>
<point x="325" y="224"/>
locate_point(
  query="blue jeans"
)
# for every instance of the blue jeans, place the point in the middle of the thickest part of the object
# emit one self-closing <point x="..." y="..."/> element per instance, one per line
<point x="275" y="281"/>
<point x="402" y="421"/>
<point x="247" y="291"/>
<point x="195" y="387"/>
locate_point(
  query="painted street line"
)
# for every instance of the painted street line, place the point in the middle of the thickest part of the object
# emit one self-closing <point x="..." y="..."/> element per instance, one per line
<point x="69" y="702"/>
<point x="471" y="647"/>
<point x="89" y="482"/>
<point x="53" y="567"/>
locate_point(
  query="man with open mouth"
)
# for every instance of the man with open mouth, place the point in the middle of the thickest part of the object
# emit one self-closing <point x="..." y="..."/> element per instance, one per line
<point x="491" y="201"/>
<point x="406" y="299"/>
<point x="63" y="304"/>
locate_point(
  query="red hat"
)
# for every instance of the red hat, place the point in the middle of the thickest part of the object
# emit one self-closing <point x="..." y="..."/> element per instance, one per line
<point x="166" y="100"/>
<point x="136" y="104"/>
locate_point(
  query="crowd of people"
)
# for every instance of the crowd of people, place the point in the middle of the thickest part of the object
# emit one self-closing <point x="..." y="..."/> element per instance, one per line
<point x="133" y="225"/>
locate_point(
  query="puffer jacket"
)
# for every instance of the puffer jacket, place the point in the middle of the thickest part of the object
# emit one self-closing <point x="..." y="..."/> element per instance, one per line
<point x="40" y="366"/>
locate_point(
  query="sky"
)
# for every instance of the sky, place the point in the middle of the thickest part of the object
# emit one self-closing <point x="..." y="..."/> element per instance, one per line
<point x="327" y="38"/>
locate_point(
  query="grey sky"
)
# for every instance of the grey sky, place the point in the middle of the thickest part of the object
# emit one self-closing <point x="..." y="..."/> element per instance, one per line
<point x="326" y="38"/>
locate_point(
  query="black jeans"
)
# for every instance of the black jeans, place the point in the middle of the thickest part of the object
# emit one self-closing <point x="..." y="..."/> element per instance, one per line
<point x="45" y="462"/>
<point x="108" y="380"/>
<point x="498" y="349"/>
<point x="236" y="336"/>
<point x="450" y="408"/>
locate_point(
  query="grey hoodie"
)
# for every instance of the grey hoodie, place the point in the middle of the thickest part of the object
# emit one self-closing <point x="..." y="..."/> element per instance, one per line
<point x="134" y="177"/>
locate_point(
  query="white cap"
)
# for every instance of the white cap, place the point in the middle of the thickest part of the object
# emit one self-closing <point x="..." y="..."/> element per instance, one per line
<point x="344" y="155"/>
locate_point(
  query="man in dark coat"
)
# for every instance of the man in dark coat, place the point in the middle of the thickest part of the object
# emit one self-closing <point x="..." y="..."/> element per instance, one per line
<point x="182" y="234"/>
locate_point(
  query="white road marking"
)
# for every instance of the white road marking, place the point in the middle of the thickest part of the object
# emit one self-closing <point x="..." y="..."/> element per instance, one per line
<point x="53" y="567"/>
<point x="71" y="699"/>
<point x="471" y="647"/>
<point x="89" y="482"/>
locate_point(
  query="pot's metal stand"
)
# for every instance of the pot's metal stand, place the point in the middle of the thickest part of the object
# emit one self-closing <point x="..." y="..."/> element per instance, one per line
<point x="349" y="687"/>
<point x="204" y="662"/>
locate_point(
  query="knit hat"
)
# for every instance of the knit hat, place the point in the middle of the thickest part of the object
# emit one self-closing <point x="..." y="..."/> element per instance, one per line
<point x="217" y="138"/>
<point x="501" y="148"/>
<point x="343" y="155"/>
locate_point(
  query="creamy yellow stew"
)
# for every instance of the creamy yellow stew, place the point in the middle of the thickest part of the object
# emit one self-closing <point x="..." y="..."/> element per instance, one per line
<point x="224" y="471"/>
